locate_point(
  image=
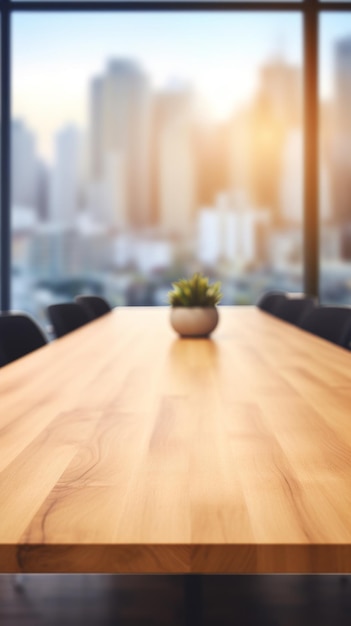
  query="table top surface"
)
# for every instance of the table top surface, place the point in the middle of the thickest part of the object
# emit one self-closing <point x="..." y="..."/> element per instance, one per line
<point x="127" y="449"/>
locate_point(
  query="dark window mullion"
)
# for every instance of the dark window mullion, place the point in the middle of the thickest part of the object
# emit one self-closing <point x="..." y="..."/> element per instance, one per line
<point x="5" y="155"/>
<point x="157" y="5"/>
<point x="311" y="222"/>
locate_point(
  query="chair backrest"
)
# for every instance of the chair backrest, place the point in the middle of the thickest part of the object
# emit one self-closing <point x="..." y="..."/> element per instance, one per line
<point x="271" y="301"/>
<point x="331" y="323"/>
<point x="19" y="335"/>
<point x="94" y="306"/>
<point x="67" y="317"/>
<point x="293" y="310"/>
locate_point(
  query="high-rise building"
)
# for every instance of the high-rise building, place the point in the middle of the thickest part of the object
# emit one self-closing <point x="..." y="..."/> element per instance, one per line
<point x="175" y="161"/>
<point x="281" y="86"/>
<point x="212" y="160"/>
<point x="65" y="178"/>
<point x="24" y="167"/>
<point x="258" y="136"/>
<point x="120" y="129"/>
<point x="43" y="191"/>
<point x="342" y="82"/>
<point x="291" y="183"/>
<point x="96" y="159"/>
<point x="341" y="141"/>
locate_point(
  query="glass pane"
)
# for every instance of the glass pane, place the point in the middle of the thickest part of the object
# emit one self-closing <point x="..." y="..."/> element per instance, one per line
<point x="147" y="146"/>
<point x="335" y="158"/>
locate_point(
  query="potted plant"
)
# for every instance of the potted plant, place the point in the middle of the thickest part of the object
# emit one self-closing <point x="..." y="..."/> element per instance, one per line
<point x="193" y="306"/>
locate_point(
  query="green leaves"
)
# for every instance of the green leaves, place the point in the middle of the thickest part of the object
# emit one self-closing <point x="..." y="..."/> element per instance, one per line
<point x="195" y="292"/>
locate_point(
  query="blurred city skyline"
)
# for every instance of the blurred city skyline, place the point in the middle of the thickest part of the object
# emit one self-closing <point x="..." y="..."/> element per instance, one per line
<point x="131" y="127"/>
<point x="75" y="50"/>
<point x="206" y="50"/>
<point x="152" y="186"/>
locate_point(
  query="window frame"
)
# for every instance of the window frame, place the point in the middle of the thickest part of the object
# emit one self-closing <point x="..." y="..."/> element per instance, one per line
<point x="309" y="10"/>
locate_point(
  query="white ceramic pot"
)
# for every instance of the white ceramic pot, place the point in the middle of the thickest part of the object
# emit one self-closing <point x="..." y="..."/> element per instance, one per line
<point x="194" y="321"/>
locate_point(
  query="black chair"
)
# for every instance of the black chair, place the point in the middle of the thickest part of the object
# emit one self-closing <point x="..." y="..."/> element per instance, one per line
<point x="19" y="335"/>
<point x="95" y="306"/>
<point x="271" y="301"/>
<point x="293" y="310"/>
<point x="331" y="323"/>
<point x="67" y="317"/>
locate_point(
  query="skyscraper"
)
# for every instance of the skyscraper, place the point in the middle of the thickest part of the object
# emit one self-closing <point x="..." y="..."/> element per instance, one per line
<point x="65" y="179"/>
<point x="259" y="135"/>
<point x="175" y="161"/>
<point x="343" y="83"/>
<point x="341" y="152"/>
<point x="95" y="169"/>
<point x="281" y="86"/>
<point x="120" y="127"/>
<point x="24" y="167"/>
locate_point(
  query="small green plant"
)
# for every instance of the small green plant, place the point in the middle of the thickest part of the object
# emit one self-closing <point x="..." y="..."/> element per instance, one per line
<point x="195" y="291"/>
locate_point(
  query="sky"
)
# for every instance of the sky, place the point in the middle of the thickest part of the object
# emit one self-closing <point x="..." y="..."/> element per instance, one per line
<point x="55" y="56"/>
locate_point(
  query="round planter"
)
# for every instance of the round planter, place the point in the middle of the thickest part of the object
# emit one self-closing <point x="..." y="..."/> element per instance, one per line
<point x="194" y="321"/>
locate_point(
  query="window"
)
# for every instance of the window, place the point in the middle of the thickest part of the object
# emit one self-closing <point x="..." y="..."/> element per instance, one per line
<point x="335" y="159"/>
<point x="184" y="143"/>
<point x="131" y="168"/>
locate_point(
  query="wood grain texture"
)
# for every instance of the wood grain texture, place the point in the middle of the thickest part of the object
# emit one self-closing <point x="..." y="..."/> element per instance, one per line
<point x="126" y="449"/>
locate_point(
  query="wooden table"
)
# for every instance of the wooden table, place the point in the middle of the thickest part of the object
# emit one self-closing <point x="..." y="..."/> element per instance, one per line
<point x="125" y="449"/>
